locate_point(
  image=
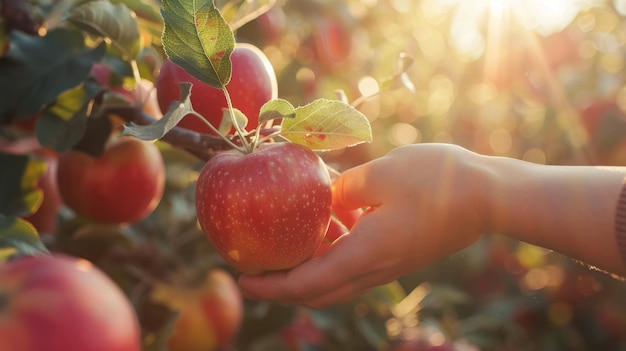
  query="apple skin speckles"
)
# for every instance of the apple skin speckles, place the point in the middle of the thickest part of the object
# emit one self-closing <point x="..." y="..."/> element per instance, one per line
<point x="272" y="206"/>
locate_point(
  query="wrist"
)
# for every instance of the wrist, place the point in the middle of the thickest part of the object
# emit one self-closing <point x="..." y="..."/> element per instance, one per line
<point x="509" y="182"/>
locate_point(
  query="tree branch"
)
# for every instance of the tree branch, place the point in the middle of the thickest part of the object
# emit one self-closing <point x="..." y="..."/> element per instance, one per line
<point x="200" y="145"/>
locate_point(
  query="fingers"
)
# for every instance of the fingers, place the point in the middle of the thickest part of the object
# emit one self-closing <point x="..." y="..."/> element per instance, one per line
<point x="360" y="187"/>
<point x="318" y="282"/>
<point x="307" y="281"/>
<point x="347" y="217"/>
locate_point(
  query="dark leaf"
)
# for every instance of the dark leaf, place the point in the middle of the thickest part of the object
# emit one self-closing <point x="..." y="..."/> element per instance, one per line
<point x="36" y="70"/>
<point x="20" y="176"/>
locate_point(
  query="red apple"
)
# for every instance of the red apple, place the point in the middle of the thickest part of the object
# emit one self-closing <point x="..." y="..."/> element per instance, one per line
<point x="209" y="315"/>
<point x="333" y="41"/>
<point x="253" y="83"/>
<point x="605" y="122"/>
<point x="142" y="93"/>
<point x="266" y="210"/>
<point x="61" y="303"/>
<point x="122" y="186"/>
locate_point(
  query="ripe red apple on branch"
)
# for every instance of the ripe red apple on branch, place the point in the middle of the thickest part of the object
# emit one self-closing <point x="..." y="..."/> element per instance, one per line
<point x="266" y="210"/>
<point x="122" y="186"/>
<point x="60" y="303"/>
<point x="253" y="83"/>
<point x="264" y="206"/>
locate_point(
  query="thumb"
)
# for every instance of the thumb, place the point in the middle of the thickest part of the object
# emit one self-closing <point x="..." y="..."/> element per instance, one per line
<point x="360" y="187"/>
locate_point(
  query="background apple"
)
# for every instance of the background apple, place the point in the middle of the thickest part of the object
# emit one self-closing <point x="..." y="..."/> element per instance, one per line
<point x="122" y="186"/>
<point x="209" y="315"/>
<point x="60" y="303"/>
<point x="267" y="210"/>
<point x="143" y="93"/>
<point x="252" y="84"/>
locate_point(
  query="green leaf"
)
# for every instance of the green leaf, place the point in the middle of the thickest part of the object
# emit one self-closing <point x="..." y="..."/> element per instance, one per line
<point x="175" y="113"/>
<point x="144" y="9"/>
<point x="276" y="109"/>
<point x="197" y="38"/>
<point x="36" y="70"/>
<point x="113" y="21"/>
<point x="327" y="125"/>
<point x="18" y="237"/>
<point x="227" y="121"/>
<point x="20" y="176"/>
<point x="63" y="124"/>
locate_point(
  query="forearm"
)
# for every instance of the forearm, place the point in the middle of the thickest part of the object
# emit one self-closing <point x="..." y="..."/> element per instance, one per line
<point x="568" y="209"/>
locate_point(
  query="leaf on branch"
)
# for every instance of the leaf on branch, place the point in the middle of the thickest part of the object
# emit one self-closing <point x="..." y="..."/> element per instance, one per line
<point x="20" y="178"/>
<point x="327" y="125"/>
<point x="227" y="121"/>
<point x="114" y="21"/>
<point x="400" y="80"/>
<point x="36" y="70"/>
<point x="276" y="109"/>
<point x="18" y="237"/>
<point x="63" y="124"/>
<point x="197" y="38"/>
<point x="176" y="112"/>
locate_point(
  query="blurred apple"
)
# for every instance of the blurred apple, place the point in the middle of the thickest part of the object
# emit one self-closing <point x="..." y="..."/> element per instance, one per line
<point x="209" y="314"/>
<point x="61" y="303"/>
<point x="605" y="123"/>
<point x="142" y="93"/>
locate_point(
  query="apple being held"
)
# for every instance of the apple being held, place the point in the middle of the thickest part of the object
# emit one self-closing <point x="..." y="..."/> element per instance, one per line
<point x="122" y="186"/>
<point x="252" y="84"/>
<point x="266" y="210"/>
<point x="209" y="315"/>
<point x="60" y="303"/>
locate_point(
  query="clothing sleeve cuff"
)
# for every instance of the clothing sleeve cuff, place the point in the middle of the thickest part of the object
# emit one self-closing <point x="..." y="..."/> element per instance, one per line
<point x="620" y="222"/>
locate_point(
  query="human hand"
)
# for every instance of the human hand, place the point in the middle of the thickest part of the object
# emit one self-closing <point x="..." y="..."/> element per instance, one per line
<point x="422" y="202"/>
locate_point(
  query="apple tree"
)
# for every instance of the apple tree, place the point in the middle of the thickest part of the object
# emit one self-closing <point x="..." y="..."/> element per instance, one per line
<point x="103" y="161"/>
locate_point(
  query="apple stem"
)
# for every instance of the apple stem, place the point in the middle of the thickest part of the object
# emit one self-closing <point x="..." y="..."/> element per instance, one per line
<point x="137" y="77"/>
<point x="242" y="135"/>
<point x="216" y="131"/>
<point x="260" y="141"/>
<point x="361" y="99"/>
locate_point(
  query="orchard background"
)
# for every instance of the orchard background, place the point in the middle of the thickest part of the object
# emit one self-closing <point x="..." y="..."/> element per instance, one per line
<point x="539" y="81"/>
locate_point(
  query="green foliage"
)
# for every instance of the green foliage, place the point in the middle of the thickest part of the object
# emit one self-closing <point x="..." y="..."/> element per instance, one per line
<point x="17" y="238"/>
<point x="197" y="38"/>
<point x="327" y="125"/>
<point x="63" y="124"/>
<point x="174" y="114"/>
<point x="20" y="174"/>
<point x="113" y="21"/>
<point x="276" y="109"/>
<point x="38" y="69"/>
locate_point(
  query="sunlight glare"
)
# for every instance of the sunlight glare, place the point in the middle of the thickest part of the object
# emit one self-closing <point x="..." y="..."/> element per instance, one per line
<point x="502" y="16"/>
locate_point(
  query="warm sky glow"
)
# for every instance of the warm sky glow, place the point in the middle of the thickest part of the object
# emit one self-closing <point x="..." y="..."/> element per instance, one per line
<point x="500" y="16"/>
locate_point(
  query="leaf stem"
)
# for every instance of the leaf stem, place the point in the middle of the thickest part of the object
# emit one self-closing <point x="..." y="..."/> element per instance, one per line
<point x="240" y="132"/>
<point x="228" y="141"/>
<point x="137" y="77"/>
<point x="361" y="99"/>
